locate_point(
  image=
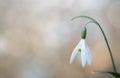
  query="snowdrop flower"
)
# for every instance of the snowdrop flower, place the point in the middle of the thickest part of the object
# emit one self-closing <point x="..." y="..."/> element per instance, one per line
<point x="82" y="49"/>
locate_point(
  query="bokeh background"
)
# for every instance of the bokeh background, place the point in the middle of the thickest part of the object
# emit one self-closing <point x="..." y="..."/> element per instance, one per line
<point x="37" y="37"/>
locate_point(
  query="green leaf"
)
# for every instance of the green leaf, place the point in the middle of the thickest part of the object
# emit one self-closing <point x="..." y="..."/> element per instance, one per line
<point x="115" y="74"/>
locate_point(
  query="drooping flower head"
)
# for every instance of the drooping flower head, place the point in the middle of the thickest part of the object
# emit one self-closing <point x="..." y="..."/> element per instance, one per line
<point x="82" y="49"/>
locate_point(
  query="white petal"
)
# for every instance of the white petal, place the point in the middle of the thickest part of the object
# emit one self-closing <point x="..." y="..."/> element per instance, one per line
<point x="75" y="51"/>
<point x="88" y="54"/>
<point x="83" y="59"/>
<point x="83" y="54"/>
<point x="79" y="45"/>
<point x="73" y="56"/>
<point x="79" y="57"/>
<point x="89" y="58"/>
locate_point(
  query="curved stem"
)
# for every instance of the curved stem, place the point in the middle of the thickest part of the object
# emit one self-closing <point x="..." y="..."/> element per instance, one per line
<point x="94" y="21"/>
<point x="110" y="52"/>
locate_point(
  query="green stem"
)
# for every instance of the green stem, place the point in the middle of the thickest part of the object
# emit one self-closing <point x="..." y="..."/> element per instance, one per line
<point x="94" y="21"/>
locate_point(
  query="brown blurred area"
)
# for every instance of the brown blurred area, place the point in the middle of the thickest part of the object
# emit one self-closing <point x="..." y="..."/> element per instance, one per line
<point x="37" y="37"/>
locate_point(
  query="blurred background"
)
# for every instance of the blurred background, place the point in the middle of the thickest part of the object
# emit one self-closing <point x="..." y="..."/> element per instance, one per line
<point x="37" y="37"/>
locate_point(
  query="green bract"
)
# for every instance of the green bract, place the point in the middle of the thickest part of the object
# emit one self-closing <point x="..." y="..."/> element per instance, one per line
<point x="83" y="33"/>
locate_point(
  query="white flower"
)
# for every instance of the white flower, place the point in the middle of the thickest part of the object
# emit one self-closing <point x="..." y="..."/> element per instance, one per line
<point x="82" y="49"/>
